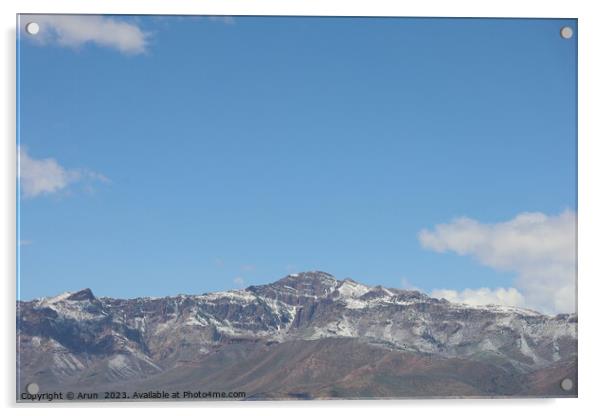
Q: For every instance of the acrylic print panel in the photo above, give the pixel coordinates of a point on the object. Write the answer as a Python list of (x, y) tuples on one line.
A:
[(267, 208)]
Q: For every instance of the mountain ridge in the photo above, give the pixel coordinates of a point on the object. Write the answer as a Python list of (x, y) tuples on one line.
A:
[(77, 338), (87, 293)]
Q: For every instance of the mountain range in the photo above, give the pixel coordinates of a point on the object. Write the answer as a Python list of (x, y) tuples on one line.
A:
[(305, 336)]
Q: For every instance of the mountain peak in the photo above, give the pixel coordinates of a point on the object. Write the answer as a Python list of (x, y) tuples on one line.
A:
[(313, 274), (84, 294), (303, 284)]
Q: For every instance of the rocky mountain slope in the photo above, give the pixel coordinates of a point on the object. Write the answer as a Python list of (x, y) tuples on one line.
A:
[(306, 335)]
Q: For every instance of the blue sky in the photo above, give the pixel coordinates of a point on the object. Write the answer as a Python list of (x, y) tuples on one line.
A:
[(207, 154)]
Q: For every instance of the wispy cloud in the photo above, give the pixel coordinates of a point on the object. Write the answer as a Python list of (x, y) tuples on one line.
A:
[(46, 176), (539, 248), (74, 31), (239, 282), (407, 285)]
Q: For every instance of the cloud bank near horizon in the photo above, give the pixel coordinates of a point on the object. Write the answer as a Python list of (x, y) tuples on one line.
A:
[(540, 249)]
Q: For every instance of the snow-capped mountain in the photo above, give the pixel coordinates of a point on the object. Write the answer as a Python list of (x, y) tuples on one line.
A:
[(404, 341)]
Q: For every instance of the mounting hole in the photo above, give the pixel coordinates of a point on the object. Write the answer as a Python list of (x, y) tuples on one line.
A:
[(566, 32), (32, 388), (32, 28), (566, 384)]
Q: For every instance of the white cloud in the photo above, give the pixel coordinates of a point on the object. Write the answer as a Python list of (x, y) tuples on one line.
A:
[(239, 282), (45, 176), (540, 249), (482, 296), (76, 30)]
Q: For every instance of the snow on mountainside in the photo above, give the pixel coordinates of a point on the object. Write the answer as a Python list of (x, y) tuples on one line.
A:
[(76, 336)]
